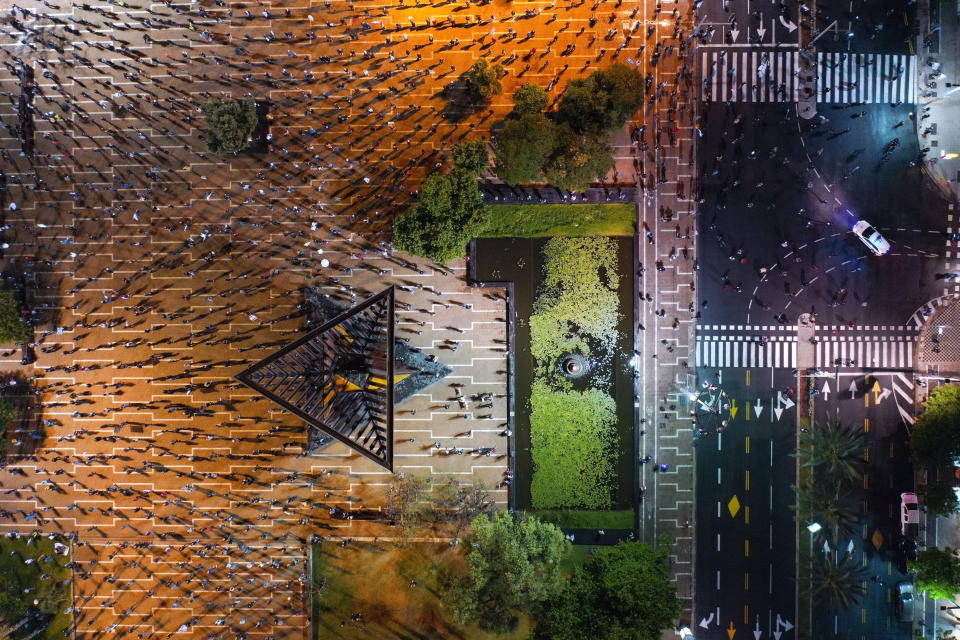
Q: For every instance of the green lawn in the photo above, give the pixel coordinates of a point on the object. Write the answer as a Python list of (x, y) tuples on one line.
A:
[(54, 592), (542, 220), (573, 519), (374, 580)]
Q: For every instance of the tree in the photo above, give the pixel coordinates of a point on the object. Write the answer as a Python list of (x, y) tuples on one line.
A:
[(448, 214), (937, 573), (459, 503), (471, 156), (833, 453), (513, 564), (941, 499), (13, 328), (837, 579), (483, 80), (579, 160), (828, 506), (530, 99), (603, 101), (232, 123), (405, 502), (935, 440), (522, 148), (622, 593)]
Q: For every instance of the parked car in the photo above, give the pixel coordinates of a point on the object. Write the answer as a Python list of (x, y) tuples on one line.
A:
[(909, 512), (903, 604), (871, 237), (906, 551)]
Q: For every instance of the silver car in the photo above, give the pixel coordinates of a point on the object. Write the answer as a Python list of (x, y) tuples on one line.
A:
[(904, 601)]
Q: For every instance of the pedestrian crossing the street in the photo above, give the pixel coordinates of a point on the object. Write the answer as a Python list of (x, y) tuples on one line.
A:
[(772, 76), (780, 351)]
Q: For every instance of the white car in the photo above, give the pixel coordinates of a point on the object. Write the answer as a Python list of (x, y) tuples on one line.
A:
[(871, 237), (909, 511)]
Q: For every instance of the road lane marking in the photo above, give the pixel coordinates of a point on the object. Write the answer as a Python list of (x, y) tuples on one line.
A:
[(746, 481), (746, 548), (748, 444)]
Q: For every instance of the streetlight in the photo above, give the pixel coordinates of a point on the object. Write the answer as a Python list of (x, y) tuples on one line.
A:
[(813, 527)]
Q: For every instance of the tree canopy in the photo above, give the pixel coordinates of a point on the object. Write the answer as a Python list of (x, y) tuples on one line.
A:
[(471, 155), (13, 328), (449, 212), (522, 148), (483, 80), (232, 123), (603, 101), (513, 564), (837, 579), (941, 499), (833, 452), (622, 593), (530, 99), (935, 440), (937, 572), (579, 159)]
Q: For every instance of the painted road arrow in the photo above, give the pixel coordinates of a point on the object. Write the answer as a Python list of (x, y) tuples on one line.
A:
[(883, 395), (733, 414), (877, 389), (783, 400), (791, 27), (853, 389), (731, 631), (756, 630), (826, 390), (733, 34), (757, 408), (760, 30), (705, 622), (783, 623)]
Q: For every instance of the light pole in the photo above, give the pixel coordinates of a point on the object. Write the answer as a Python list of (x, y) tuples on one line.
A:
[(813, 527)]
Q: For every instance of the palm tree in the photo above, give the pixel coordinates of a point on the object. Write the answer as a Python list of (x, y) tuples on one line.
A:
[(833, 453), (837, 579), (833, 509)]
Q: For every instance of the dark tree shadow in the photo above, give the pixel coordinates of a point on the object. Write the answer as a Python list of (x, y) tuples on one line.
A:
[(258, 141), (460, 104), (25, 433)]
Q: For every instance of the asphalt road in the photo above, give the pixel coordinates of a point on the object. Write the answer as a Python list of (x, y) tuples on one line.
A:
[(777, 209), (779, 198), (746, 541), (869, 401)]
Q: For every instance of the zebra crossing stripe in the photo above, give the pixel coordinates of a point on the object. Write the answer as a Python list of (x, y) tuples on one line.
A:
[(761, 75), (881, 354)]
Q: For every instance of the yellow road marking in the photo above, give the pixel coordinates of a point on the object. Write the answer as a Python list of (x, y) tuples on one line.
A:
[(746, 480), (866, 425), (746, 548), (748, 444), (748, 377)]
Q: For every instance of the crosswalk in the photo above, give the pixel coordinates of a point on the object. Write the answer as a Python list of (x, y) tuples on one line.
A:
[(880, 352), (772, 76)]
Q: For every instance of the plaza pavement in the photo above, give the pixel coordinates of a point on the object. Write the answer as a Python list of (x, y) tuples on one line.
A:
[(173, 269)]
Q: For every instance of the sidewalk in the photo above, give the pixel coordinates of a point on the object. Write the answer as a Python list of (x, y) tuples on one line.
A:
[(938, 42), (666, 323)]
